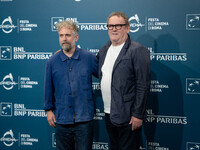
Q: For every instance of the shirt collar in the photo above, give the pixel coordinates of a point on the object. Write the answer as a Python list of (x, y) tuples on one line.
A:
[(74, 56)]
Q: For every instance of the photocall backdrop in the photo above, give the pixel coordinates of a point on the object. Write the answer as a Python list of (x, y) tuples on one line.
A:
[(169, 29)]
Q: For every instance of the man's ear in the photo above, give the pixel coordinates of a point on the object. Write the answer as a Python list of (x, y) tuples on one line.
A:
[(128, 30), (76, 37)]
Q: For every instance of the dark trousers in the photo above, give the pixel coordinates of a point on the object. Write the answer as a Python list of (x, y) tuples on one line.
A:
[(77, 136), (122, 138)]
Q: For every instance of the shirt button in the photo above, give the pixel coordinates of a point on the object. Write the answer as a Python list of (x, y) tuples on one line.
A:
[(70, 93), (70, 69)]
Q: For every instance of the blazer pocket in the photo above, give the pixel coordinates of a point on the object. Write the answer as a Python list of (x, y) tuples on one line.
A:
[(129, 97), (124, 62)]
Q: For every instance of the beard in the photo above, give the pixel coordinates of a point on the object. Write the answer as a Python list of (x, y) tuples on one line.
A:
[(67, 48)]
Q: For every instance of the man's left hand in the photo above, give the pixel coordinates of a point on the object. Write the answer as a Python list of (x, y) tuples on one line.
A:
[(136, 123)]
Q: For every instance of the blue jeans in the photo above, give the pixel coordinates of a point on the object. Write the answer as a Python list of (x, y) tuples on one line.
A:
[(77, 136)]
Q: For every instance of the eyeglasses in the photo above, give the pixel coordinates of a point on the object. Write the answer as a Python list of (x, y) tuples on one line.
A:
[(117, 26)]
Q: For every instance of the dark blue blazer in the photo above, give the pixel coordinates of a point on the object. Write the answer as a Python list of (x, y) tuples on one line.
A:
[(130, 81)]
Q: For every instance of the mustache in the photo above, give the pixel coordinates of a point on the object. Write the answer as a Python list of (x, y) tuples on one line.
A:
[(66, 43)]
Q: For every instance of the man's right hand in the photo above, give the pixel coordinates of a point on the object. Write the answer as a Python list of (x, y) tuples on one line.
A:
[(51, 118)]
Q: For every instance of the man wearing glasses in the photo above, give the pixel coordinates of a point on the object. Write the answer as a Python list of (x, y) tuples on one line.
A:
[(124, 71)]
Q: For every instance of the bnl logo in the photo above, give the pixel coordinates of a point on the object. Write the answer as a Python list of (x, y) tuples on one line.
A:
[(6, 109), (5, 53), (193, 21), (54, 21), (193, 146), (193, 85)]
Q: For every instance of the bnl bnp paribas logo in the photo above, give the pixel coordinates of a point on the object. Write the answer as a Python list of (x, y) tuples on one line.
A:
[(5, 52), (135, 24), (6, 109), (81, 26), (193, 85), (193, 21), (19, 53)]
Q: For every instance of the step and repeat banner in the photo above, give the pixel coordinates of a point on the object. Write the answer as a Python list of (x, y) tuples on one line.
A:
[(28, 38)]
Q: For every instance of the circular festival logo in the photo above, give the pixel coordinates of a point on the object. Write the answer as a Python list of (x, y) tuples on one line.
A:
[(7, 25), (8, 138), (8, 82), (135, 23)]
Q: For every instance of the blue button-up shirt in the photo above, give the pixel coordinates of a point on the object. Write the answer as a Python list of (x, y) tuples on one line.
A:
[(68, 86)]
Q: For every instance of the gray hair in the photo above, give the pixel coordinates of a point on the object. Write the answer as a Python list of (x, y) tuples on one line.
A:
[(67, 24), (120, 14)]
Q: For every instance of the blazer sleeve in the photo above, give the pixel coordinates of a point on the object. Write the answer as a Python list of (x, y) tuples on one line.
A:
[(141, 60)]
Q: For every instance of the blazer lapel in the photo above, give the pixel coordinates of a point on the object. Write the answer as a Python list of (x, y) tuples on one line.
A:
[(120, 56)]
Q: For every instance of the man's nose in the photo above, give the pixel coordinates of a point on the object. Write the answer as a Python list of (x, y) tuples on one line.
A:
[(64, 38)]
